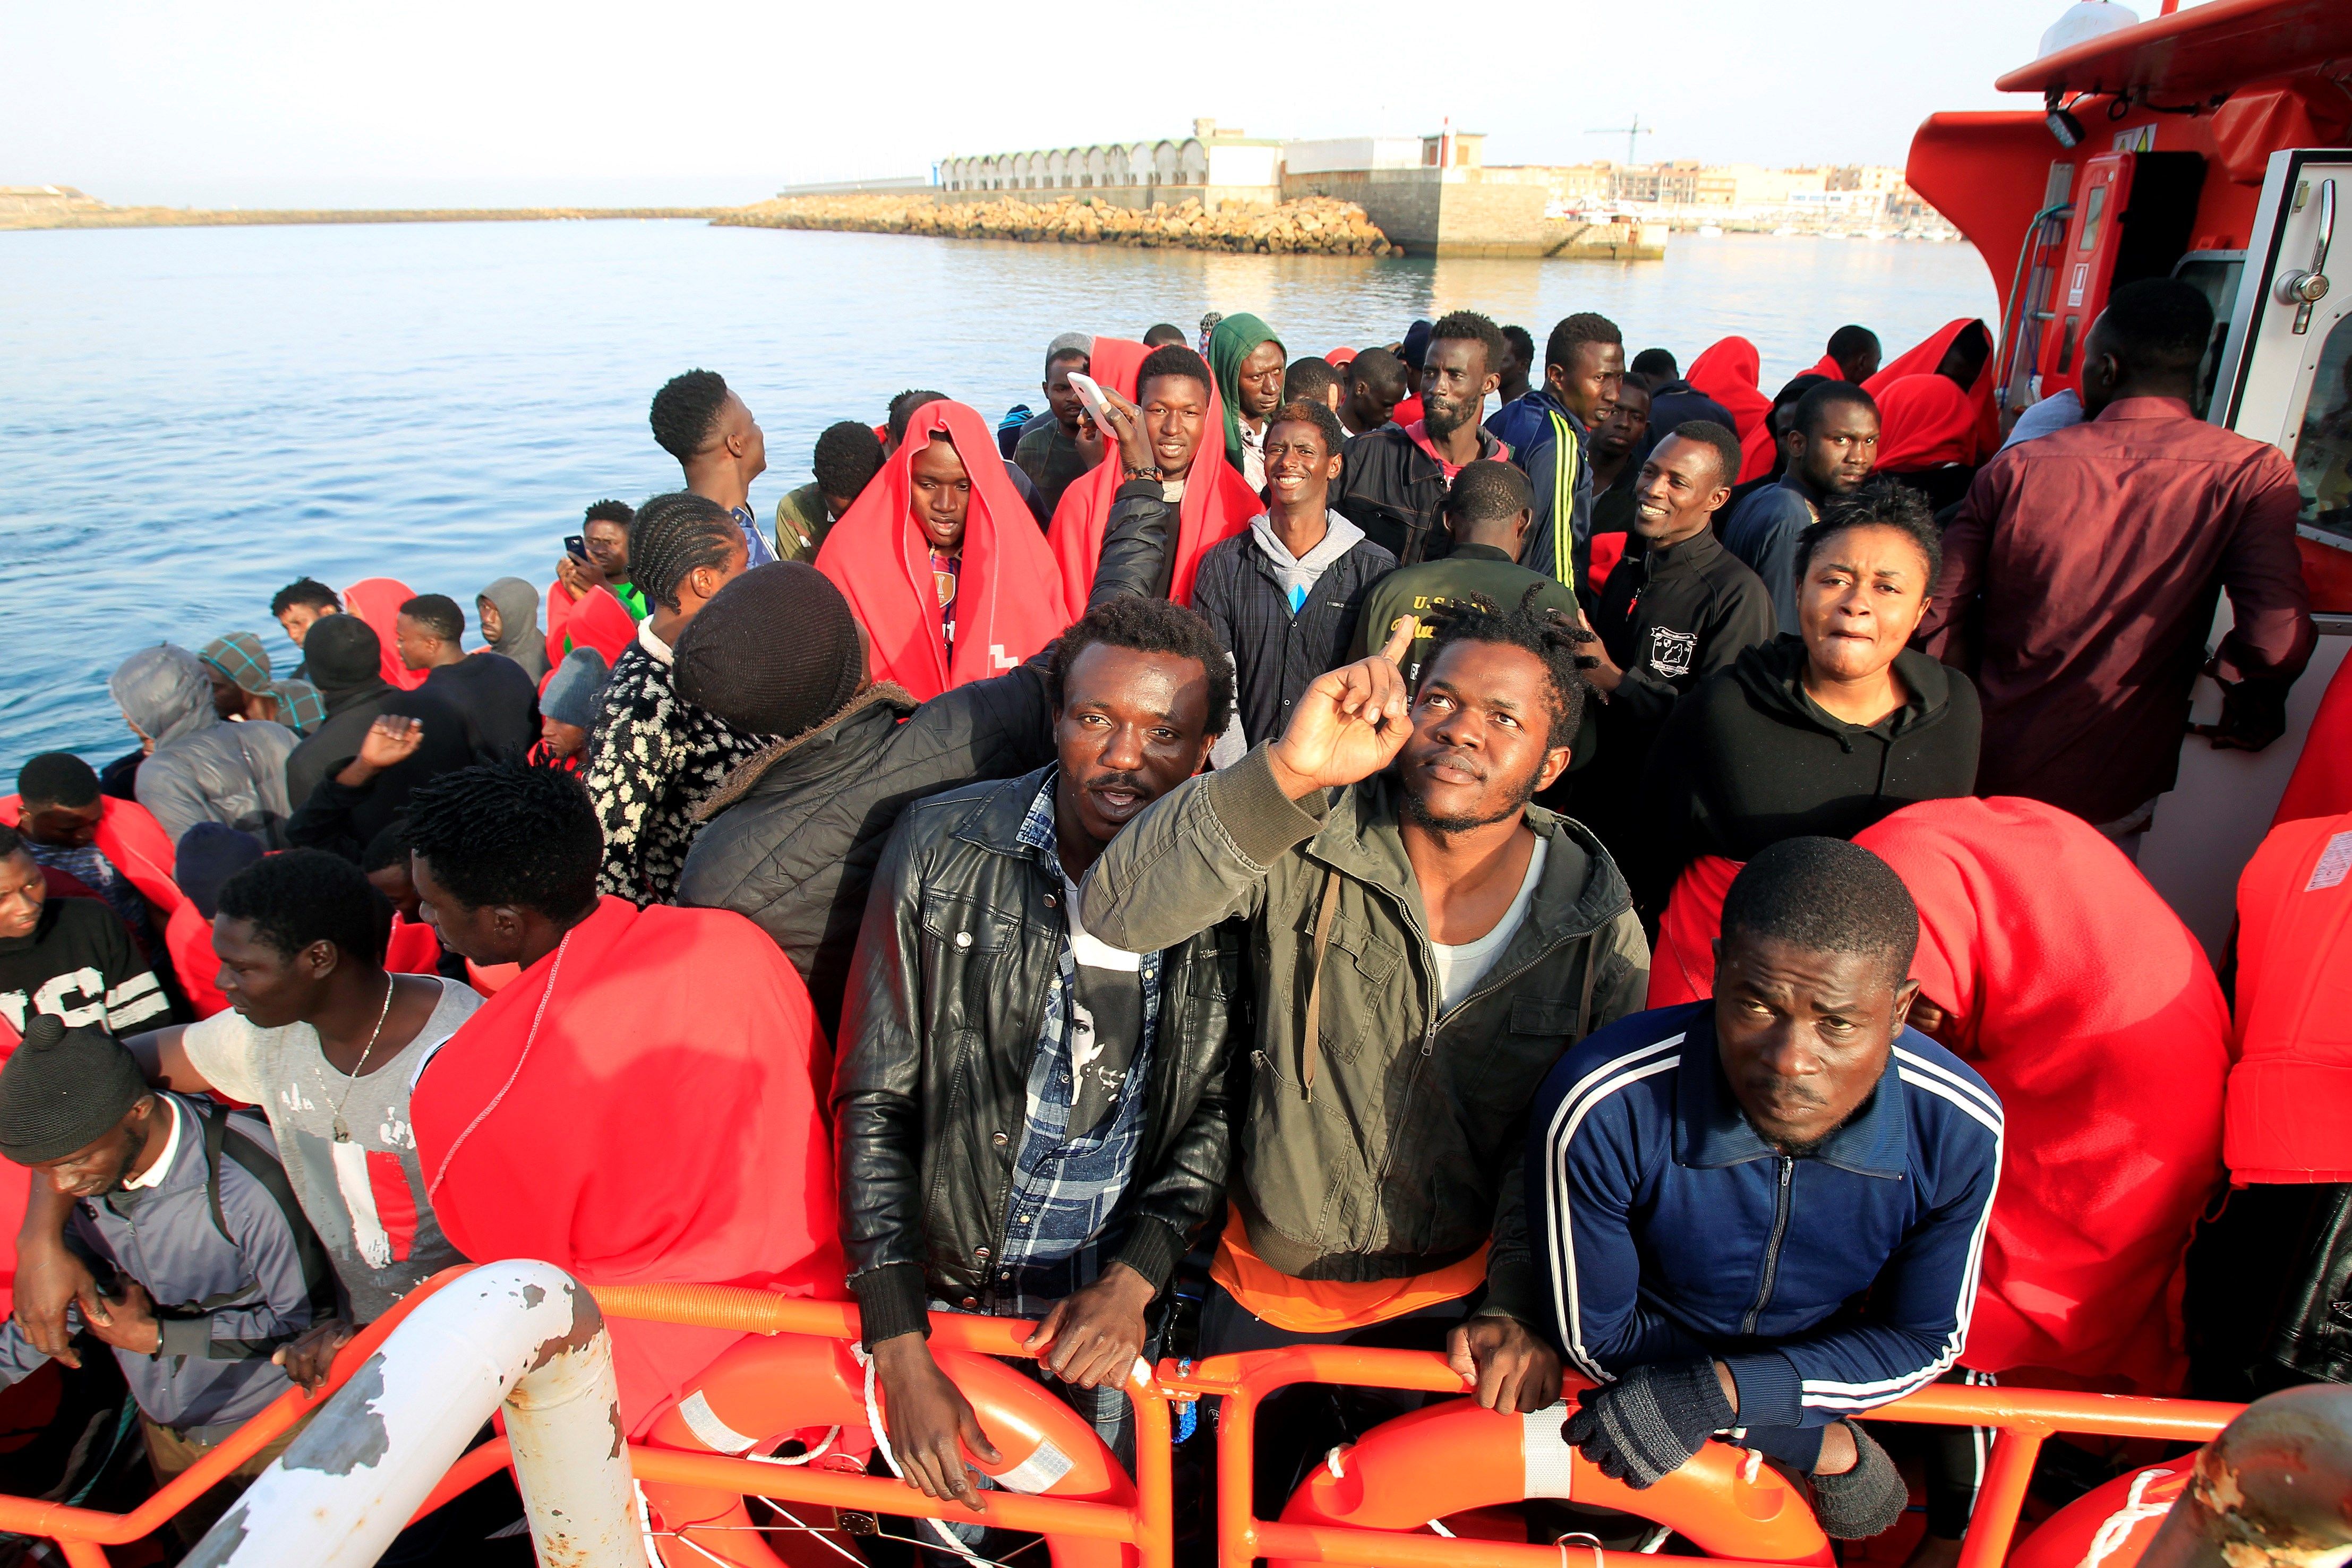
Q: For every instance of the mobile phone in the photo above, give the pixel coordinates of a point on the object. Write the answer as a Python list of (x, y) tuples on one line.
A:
[(1090, 395), (574, 545)]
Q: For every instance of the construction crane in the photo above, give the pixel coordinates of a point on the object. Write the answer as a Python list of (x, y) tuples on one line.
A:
[(1630, 133)]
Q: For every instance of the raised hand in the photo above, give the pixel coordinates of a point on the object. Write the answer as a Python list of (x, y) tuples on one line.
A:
[(1350, 723)]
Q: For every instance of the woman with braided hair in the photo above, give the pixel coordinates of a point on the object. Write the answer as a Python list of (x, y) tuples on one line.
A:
[(655, 757)]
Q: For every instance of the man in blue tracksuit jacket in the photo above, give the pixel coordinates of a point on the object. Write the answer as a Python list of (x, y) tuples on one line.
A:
[(1762, 1214), (1549, 433)]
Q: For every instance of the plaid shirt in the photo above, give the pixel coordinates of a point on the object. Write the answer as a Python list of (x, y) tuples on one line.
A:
[(1066, 1192)]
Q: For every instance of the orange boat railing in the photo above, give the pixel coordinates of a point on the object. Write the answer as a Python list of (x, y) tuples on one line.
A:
[(2024, 1418)]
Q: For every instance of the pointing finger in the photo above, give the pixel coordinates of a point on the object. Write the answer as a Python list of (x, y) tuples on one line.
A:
[(1401, 636)]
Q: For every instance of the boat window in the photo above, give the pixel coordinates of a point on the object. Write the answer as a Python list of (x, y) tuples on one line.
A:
[(2215, 274), (2094, 206), (2323, 451)]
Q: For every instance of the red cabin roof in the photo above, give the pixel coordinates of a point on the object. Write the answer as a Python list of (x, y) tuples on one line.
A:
[(2199, 52)]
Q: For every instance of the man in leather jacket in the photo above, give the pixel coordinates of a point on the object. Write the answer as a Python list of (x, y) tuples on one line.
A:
[(1029, 1123)]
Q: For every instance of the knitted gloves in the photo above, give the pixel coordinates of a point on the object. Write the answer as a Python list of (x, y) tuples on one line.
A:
[(1865, 1500), (1645, 1425)]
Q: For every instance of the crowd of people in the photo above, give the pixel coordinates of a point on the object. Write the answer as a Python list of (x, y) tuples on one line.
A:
[(1633, 891)]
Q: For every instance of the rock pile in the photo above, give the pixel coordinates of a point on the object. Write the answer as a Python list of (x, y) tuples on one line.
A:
[(1315, 226)]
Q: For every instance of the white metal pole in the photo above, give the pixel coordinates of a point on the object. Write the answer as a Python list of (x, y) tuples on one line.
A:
[(520, 1333)]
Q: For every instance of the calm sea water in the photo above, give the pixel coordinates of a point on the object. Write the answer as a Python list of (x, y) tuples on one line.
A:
[(190, 418)]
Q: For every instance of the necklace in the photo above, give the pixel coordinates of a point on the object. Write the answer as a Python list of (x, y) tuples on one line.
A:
[(343, 1130)]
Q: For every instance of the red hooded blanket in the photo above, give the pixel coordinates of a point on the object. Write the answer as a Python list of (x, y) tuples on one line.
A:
[(1218, 503), (2093, 1013), (1008, 600), (138, 848), (1922, 360), (1924, 422), (616, 1113), (2291, 1092), (2321, 784), (596, 620), (1682, 964), (1727, 373), (1826, 366), (377, 601)]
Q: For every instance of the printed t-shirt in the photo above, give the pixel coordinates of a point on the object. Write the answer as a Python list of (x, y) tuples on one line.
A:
[(365, 1198)]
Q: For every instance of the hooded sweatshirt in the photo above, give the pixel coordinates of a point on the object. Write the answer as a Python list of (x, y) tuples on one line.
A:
[(519, 638), (201, 769), (1285, 619), (1748, 759)]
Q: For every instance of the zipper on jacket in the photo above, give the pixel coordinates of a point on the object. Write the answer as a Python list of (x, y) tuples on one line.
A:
[(1772, 1248)]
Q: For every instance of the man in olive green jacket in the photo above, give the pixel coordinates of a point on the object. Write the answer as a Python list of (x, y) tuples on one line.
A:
[(1427, 944)]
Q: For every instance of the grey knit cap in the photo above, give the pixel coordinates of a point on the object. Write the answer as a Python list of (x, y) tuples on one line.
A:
[(62, 1089), (574, 690)]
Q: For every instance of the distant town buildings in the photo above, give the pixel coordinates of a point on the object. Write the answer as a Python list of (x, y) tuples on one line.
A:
[(1398, 180)]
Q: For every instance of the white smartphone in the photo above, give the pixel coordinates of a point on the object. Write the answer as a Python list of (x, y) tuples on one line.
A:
[(1090, 394)]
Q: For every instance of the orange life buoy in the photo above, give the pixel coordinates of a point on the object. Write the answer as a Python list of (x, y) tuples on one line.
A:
[(766, 1388), (1452, 1458), (2109, 1526)]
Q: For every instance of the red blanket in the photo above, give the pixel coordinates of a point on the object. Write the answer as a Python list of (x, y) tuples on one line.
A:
[(1218, 502), (2321, 784), (142, 851), (595, 620), (1924, 422), (2291, 1091), (1727, 373), (377, 601), (1008, 600), (2093, 1013), (1826, 366), (414, 948), (1682, 964), (661, 1127), (1922, 360)]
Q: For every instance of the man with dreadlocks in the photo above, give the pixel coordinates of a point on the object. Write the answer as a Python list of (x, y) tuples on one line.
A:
[(611, 1109), (654, 757), (1762, 1213), (1406, 902)]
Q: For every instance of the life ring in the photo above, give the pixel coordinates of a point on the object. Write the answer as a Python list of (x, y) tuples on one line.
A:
[(1453, 1458), (2109, 1526), (767, 1388)]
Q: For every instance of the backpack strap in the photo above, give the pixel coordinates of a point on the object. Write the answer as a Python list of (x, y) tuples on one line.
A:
[(318, 1268)]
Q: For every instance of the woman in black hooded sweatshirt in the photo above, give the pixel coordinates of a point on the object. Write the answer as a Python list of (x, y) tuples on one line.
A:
[(1823, 733)]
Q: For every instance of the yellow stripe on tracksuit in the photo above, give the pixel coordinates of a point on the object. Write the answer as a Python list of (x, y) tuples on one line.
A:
[(1566, 456)]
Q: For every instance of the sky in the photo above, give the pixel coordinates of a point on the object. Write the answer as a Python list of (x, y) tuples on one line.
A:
[(266, 103)]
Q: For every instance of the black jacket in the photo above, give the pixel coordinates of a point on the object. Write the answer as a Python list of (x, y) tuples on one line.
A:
[(496, 698), (791, 838), (1392, 490), (1749, 760), (1278, 654), (1669, 618), (959, 952), (327, 815)]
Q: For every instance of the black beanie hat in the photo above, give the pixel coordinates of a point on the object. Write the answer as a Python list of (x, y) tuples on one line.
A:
[(774, 653), (341, 652), (62, 1089)]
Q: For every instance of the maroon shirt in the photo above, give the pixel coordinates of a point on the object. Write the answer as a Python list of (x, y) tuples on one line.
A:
[(2079, 584)]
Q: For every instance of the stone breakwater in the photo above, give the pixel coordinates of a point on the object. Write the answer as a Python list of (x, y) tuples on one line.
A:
[(1315, 226)]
